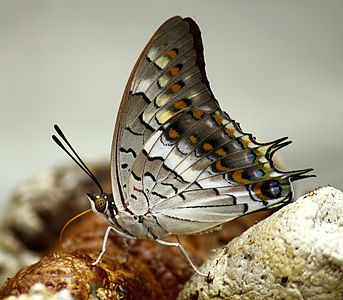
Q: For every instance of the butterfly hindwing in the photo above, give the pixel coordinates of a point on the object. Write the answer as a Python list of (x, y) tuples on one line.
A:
[(203, 153)]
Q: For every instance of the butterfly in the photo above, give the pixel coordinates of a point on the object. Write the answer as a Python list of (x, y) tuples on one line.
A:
[(179, 164)]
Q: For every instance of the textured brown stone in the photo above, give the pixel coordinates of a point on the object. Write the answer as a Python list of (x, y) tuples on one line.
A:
[(73, 270)]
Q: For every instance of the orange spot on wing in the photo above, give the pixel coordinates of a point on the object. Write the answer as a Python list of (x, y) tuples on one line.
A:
[(172, 53), (180, 104), (175, 70), (197, 114), (175, 87), (172, 133), (207, 147), (193, 139), (221, 152), (229, 131), (218, 119)]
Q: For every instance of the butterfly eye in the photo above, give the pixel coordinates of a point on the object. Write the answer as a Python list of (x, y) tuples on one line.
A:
[(100, 204)]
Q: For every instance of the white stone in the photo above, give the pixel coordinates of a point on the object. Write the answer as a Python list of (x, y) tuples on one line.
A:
[(297, 253)]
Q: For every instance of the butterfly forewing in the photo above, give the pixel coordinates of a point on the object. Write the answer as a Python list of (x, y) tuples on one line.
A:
[(176, 155), (168, 77)]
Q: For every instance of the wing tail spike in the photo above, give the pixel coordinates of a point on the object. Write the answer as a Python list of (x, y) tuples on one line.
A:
[(271, 144), (300, 174), (277, 146), (277, 142)]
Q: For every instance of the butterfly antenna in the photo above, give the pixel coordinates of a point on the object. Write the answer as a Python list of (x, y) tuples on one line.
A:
[(78, 159)]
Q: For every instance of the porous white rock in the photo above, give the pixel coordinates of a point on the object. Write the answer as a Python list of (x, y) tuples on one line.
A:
[(297, 253)]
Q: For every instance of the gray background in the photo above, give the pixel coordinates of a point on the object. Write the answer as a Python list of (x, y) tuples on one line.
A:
[(275, 66)]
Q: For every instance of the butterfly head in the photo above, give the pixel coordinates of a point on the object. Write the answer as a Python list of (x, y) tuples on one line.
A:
[(101, 204)]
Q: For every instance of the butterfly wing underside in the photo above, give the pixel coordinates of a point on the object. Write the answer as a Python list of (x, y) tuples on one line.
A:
[(176, 154), (151, 90)]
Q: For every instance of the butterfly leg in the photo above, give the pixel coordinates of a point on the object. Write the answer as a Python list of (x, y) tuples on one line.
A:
[(107, 233), (184, 253)]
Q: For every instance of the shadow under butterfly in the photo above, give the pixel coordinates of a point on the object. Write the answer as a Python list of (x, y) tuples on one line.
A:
[(179, 164)]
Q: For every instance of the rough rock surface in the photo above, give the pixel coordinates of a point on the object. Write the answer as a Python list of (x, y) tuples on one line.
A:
[(297, 253)]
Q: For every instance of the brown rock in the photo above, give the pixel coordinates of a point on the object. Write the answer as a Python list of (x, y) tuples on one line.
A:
[(72, 270)]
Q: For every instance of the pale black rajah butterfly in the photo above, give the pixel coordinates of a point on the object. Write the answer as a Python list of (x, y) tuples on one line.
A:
[(179, 164)]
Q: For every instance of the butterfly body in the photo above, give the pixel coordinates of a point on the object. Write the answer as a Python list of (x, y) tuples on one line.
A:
[(131, 225), (179, 164)]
